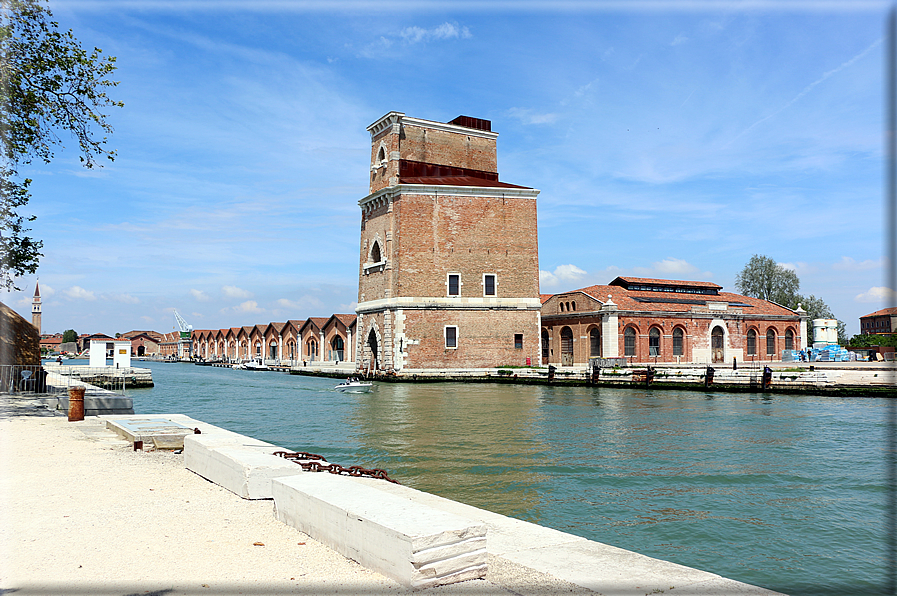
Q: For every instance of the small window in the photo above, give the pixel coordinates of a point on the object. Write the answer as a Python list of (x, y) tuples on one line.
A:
[(544, 344), (789, 339), (771, 342), (654, 342), (451, 337), (454, 284), (375, 253), (518, 341), (752, 343), (488, 285), (574, 305)]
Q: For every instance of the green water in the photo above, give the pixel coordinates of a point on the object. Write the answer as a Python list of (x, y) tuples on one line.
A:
[(786, 492)]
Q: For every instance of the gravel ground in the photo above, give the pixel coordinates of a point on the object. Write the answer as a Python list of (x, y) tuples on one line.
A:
[(82, 513)]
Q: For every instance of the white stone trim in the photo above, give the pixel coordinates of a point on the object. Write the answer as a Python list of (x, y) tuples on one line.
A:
[(386, 195), (448, 303), (446, 127)]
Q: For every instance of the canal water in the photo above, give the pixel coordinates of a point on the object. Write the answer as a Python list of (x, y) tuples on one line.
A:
[(782, 491)]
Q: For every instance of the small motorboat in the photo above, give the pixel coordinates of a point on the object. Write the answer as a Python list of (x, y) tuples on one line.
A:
[(354, 386)]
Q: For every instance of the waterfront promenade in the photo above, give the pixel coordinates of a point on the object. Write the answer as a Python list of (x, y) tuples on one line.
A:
[(85, 514)]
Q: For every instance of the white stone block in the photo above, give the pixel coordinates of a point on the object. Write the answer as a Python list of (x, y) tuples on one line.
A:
[(413, 543), (240, 464)]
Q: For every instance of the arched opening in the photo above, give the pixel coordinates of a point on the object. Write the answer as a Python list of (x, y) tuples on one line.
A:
[(717, 343), (141, 350), (372, 344), (752, 342), (381, 156), (258, 349), (545, 351), (789, 339), (312, 350), (678, 342), (336, 348), (771, 344), (629, 342), (566, 347), (375, 253), (272, 350), (654, 342), (594, 343)]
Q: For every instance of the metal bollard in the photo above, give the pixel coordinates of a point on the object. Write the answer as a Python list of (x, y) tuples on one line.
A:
[(76, 404)]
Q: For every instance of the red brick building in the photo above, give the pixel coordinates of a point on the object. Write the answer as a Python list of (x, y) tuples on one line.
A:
[(881, 322), (660, 320), (448, 268)]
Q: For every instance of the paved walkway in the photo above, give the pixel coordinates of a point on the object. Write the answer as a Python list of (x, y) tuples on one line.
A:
[(82, 513)]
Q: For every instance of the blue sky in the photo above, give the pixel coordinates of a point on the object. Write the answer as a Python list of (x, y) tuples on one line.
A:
[(668, 139)]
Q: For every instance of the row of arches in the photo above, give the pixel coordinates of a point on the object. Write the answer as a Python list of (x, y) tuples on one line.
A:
[(671, 346)]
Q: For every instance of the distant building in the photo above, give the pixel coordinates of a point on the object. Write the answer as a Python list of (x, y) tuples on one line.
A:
[(36, 308), (51, 343), (448, 271), (661, 320), (881, 322)]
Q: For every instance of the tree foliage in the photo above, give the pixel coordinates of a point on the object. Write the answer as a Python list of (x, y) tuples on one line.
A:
[(48, 84), (763, 278), (873, 339), (69, 335)]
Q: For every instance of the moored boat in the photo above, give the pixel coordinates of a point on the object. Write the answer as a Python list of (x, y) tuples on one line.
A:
[(354, 386)]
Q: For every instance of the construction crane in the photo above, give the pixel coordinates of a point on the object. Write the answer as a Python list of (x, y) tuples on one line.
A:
[(185, 343)]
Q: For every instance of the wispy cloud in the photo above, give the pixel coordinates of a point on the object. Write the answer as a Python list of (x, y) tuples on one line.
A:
[(125, 298), (200, 295), (679, 39), (79, 293), (250, 306), (806, 90), (849, 264), (528, 116), (235, 292), (442, 32), (880, 294)]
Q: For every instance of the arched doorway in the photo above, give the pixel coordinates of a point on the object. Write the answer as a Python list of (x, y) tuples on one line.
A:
[(336, 348), (141, 350), (566, 347), (312, 350), (717, 341), (594, 343), (372, 344)]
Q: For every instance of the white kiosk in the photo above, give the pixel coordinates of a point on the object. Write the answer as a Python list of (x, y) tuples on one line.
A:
[(121, 352)]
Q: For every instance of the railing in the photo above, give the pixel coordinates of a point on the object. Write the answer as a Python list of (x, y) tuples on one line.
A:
[(114, 380), (16, 378)]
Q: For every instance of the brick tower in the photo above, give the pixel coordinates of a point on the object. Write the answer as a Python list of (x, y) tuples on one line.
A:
[(449, 266), (35, 308)]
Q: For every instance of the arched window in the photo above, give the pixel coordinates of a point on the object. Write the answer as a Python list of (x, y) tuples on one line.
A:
[(574, 305), (375, 253), (561, 306), (752, 343), (654, 342), (381, 156), (594, 342), (544, 344), (789, 339), (629, 342), (312, 350), (678, 342), (771, 343)]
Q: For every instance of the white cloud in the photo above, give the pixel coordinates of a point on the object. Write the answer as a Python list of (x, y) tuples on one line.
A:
[(235, 292), (79, 293), (879, 294), (200, 295), (674, 266), (304, 302), (125, 298), (561, 274), (443, 31), (848, 264), (249, 306), (679, 39), (46, 291), (148, 319), (528, 116)]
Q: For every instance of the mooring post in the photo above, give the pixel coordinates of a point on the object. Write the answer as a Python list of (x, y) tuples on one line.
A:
[(76, 404)]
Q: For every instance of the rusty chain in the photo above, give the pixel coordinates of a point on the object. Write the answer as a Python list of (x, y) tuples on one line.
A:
[(317, 463)]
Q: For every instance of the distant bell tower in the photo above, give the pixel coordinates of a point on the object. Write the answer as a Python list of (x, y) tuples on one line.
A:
[(448, 274), (35, 308)]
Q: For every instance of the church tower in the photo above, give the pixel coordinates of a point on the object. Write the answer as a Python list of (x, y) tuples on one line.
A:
[(449, 265), (35, 308)]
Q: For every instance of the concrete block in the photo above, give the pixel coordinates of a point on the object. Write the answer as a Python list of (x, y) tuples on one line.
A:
[(413, 543)]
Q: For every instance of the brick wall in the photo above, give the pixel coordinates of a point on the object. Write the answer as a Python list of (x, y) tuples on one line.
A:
[(19, 339)]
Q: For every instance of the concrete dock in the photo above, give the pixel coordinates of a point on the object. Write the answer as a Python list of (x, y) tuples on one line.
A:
[(83, 513)]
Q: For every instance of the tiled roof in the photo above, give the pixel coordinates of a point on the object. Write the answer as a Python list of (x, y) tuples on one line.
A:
[(666, 282), (882, 312), (663, 302)]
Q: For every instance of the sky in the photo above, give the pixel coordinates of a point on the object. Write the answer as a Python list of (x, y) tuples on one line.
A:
[(668, 139)]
